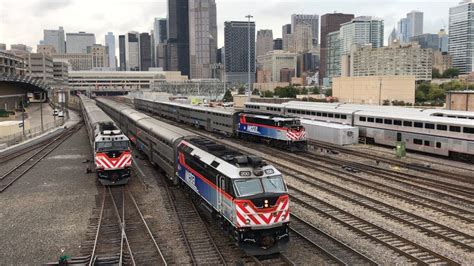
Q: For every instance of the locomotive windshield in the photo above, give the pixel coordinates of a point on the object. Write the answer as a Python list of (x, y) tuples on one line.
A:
[(104, 146), (254, 186)]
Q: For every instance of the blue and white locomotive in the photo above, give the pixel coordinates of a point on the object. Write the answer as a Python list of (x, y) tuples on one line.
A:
[(247, 197)]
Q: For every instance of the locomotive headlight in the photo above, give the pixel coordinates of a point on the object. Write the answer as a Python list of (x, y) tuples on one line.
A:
[(266, 203)]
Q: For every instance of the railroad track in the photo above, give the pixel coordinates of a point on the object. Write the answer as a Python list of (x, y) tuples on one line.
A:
[(335, 250), (123, 235), (398, 244), (275, 259), (200, 245), (18, 171), (392, 161)]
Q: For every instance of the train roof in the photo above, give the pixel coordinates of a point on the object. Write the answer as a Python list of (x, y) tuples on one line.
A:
[(93, 112), (441, 112), (273, 117), (417, 117), (226, 111)]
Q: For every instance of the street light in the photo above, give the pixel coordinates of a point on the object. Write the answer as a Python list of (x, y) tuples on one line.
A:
[(248, 86)]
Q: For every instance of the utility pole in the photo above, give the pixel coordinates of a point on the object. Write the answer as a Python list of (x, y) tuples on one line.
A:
[(249, 77)]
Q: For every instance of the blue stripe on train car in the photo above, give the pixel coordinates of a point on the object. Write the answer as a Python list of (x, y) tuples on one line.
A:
[(267, 132), (198, 185)]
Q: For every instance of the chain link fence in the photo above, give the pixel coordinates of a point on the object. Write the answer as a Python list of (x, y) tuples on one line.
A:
[(16, 138)]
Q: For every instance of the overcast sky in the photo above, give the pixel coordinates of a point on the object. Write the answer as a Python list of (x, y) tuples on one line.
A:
[(23, 21)]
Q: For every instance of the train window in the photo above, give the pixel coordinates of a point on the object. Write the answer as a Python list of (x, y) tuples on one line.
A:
[(318, 114), (330, 115), (363, 118), (438, 145), (325, 115), (429, 126), (427, 143), (442, 127), (370, 119), (343, 116), (454, 129), (407, 123), (337, 116), (418, 124), (397, 122), (388, 121), (313, 113), (418, 141), (469, 130), (379, 120)]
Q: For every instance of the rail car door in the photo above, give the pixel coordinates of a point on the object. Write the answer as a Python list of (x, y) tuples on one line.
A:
[(221, 185), (208, 124)]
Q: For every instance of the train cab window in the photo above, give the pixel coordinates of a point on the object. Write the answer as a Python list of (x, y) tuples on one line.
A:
[(438, 145), (427, 143), (397, 122), (407, 123), (469, 130), (337, 116), (418, 124), (370, 119), (388, 121), (330, 115), (442, 127), (362, 118), (379, 120), (454, 129), (429, 126), (343, 116), (418, 141)]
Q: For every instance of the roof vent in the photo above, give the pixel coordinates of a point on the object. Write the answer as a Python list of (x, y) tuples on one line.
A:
[(241, 160), (255, 161)]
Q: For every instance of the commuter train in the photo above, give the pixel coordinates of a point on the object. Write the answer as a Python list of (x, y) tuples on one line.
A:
[(434, 131), (278, 131), (112, 153), (247, 197)]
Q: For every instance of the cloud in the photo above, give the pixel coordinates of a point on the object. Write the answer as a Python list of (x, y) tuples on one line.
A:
[(43, 7)]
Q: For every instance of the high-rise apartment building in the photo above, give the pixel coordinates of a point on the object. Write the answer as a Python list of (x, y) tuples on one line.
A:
[(236, 51), (202, 38), (393, 60), (414, 24), (132, 51), (278, 44), (100, 55), (110, 43), (122, 53), (311, 20), (286, 36), (77, 43), (329, 23), (56, 39), (361, 30), (264, 42), (145, 51), (178, 36), (461, 36)]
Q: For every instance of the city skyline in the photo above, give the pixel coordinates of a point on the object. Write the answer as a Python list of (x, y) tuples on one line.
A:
[(48, 14)]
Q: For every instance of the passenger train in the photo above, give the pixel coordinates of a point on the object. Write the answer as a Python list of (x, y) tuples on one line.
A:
[(434, 131), (112, 153), (247, 197), (276, 130)]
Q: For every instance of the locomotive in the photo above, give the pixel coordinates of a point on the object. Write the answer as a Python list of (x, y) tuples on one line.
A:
[(112, 153), (247, 197), (278, 131)]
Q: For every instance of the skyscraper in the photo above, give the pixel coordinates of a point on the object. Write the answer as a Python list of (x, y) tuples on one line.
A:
[(132, 51), (303, 38), (402, 30), (286, 36), (278, 44), (178, 36), (311, 20), (110, 43), (264, 42), (202, 38), (77, 43), (329, 23), (236, 51), (56, 39), (361, 30), (414, 24), (443, 41), (159, 37), (145, 51), (461, 36), (122, 53), (100, 58)]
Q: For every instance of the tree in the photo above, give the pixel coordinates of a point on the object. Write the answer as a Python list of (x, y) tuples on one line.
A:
[(286, 92), (436, 94), (451, 73), (436, 74), (255, 92), (267, 94), (386, 102), (228, 96), (315, 90), (241, 90), (328, 92), (420, 96)]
